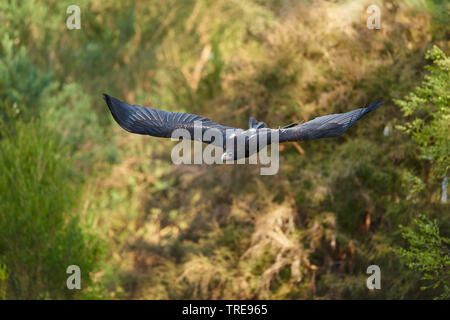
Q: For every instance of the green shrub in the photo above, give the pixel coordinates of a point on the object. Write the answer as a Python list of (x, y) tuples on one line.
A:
[(428, 254), (40, 236), (429, 108), (4, 275), (44, 129)]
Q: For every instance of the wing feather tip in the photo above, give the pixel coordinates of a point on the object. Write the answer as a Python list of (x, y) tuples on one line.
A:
[(375, 105), (109, 101), (119, 112), (107, 98)]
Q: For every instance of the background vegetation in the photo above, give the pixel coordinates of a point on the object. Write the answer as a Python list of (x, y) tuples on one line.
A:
[(77, 189)]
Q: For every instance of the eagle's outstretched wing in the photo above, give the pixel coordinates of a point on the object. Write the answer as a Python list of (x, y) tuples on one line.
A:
[(159, 123), (332, 125)]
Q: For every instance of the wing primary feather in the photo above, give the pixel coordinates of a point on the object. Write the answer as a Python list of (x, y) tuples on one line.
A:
[(154, 122), (326, 126)]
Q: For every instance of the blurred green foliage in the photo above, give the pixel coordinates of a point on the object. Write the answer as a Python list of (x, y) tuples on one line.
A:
[(4, 275), (40, 236), (430, 104), (428, 253), (76, 189)]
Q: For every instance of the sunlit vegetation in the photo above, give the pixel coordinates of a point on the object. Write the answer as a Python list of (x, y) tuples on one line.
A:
[(76, 189)]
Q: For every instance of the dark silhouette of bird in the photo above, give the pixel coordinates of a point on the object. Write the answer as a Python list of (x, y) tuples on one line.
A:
[(159, 123)]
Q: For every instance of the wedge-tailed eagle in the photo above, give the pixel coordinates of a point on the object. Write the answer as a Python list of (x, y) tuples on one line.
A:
[(159, 123)]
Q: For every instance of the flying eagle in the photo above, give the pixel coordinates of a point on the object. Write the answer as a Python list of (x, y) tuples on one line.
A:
[(159, 123)]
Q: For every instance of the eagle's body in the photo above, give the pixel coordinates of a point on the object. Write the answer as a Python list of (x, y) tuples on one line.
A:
[(159, 123)]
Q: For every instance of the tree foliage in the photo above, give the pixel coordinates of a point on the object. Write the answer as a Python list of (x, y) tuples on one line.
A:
[(429, 108), (428, 254)]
